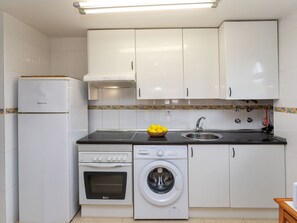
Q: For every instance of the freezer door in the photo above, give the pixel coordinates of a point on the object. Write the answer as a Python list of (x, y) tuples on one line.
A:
[(43, 95), (44, 168)]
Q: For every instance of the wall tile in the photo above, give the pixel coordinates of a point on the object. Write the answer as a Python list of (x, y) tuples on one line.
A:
[(110, 119), (127, 96), (109, 96), (95, 120), (11, 168), (12, 205), (11, 132), (291, 127), (179, 119), (288, 24), (59, 44), (2, 145), (2, 172), (10, 87), (44, 62), (280, 124), (77, 44), (13, 53), (77, 64), (13, 26), (2, 206), (288, 82), (59, 64), (291, 173), (143, 119), (288, 51), (128, 119)]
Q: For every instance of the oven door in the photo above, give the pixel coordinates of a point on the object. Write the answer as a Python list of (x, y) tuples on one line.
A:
[(105, 183)]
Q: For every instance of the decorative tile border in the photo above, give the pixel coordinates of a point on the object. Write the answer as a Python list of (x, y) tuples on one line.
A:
[(176, 107), (11, 110), (286, 110)]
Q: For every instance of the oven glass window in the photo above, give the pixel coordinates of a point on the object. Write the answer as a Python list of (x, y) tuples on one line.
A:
[(105, 185), (160, 180)]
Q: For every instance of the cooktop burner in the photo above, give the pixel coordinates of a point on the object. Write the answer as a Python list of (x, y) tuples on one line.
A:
[(111, 135)]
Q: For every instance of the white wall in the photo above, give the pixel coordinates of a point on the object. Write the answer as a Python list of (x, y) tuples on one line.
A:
[(286, 117), (26, 52)]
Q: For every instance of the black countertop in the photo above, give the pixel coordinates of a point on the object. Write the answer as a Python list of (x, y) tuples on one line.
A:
[(175, 138)]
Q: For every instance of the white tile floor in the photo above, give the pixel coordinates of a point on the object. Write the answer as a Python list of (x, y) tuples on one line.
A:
[(79, 219)]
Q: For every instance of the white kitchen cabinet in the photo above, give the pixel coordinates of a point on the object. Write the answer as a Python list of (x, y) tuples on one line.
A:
[(159, 59), (111, 52), (201, 63), (208, 175), (257, 175), (248, 60)]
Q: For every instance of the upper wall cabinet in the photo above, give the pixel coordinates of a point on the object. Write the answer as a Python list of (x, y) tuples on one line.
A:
[(201, 63), (111, 52), (159, 64), (248, 60)]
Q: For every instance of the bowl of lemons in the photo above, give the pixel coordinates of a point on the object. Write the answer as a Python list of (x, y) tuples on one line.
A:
[(155, 130)]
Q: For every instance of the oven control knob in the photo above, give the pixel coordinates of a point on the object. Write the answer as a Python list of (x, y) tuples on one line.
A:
[(114, 158), (109, 158), (125, 158), (95, 159), (120, 158), (160, 153), (100, 158)]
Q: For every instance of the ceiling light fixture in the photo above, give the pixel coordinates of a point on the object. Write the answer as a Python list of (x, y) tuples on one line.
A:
[(110, 6)]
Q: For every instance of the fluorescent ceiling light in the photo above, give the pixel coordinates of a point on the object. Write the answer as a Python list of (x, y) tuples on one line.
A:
[(110, 6)]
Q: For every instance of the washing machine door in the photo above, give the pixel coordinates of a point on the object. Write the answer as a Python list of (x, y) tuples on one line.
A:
[(160, 183)]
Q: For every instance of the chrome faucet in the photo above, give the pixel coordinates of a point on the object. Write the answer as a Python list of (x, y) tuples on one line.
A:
[(198, 126)]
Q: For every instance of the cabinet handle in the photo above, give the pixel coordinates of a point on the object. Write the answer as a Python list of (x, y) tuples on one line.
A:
[(139, 92), (192, 152), (233, 152), (132, 65), (187, 92), (230, 92)]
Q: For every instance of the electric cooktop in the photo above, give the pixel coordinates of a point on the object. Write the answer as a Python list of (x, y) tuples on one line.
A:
[(110, 135)]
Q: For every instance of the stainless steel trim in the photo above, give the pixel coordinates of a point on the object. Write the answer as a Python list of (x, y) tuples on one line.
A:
[(202, 133)]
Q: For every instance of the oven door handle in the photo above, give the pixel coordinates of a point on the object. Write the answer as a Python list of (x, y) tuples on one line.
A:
[(104, 165)]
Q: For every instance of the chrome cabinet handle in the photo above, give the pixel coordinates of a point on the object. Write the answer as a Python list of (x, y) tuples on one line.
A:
[(187, 92), (132, 65), (192, 152), (233, 152), (139, 92), (230, 91)]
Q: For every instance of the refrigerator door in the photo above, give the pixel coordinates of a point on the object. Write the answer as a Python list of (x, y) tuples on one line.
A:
[(44, 168), (43, 95)]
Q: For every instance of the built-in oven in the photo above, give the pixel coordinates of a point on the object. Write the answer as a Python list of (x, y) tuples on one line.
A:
[(105, 177)]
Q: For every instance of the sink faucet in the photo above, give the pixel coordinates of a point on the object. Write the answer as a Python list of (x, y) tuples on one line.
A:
[(198, 126)]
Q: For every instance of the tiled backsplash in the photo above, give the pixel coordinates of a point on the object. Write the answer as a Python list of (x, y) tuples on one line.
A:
[(119, 109)]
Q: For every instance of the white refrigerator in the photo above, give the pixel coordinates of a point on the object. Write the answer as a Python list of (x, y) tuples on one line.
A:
[(52, 116)]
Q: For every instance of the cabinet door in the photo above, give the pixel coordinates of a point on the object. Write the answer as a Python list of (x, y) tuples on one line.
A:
[(208, 175), (257, 175), (111, 52), (249, 60), (201, 63), (159, 64)]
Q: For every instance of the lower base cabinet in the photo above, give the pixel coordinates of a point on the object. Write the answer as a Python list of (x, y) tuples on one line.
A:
[(208, 175), (237, 176), (257, 175)]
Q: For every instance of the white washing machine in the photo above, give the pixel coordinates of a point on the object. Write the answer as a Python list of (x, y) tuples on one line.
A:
[(160, 182)]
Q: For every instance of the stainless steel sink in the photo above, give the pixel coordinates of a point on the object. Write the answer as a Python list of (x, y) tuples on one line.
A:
[(202, 136)]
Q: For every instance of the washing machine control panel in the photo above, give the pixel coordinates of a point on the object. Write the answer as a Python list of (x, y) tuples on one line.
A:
[(160, 152)]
